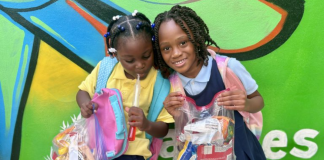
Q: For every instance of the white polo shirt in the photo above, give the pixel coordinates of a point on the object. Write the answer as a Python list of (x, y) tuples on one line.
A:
[(196, 85)]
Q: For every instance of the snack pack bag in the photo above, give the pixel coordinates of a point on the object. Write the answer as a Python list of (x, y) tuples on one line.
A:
[(72, 143), (203, 132)]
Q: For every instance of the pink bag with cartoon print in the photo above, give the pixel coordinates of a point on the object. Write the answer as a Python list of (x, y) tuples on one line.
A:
[(108, 132)]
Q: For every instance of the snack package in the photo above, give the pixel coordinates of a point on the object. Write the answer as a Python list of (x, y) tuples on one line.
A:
[(72, 143), (203, 132)]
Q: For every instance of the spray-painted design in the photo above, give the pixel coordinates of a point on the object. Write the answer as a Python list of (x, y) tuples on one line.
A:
[(49, 46)]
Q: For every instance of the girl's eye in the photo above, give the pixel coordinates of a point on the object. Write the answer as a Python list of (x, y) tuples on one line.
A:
[(183, 43), (146, 57), (166, 48), (131, 61)]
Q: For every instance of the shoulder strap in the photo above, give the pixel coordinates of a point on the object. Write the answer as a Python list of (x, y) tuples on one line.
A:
[(221, 64), (254, 121), (161, 89), (228, 76), (105, 69)]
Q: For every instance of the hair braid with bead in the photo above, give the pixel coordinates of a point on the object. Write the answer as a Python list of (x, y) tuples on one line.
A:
[(129, 27), (201, 39)]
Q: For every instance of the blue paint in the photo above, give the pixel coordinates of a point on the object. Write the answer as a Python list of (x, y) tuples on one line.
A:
[(112, 4), (6, 136), (4, 154), (22, 4), (87, 42)]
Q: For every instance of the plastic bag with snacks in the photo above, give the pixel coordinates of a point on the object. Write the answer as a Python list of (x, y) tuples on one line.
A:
[(203, 132), (72, 143)]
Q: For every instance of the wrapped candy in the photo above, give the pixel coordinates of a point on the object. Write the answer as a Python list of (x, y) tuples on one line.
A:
[(72, 143)]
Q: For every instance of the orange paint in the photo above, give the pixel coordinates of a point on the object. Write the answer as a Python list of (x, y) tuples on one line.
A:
[(102, 29), (266, 39)]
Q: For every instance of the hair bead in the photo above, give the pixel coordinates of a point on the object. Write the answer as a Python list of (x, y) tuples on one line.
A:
[(112, 50), (134, 13), (138, 26), (107, 34)]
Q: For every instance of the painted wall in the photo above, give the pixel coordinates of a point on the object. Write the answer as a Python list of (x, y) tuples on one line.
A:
[(48, 47)]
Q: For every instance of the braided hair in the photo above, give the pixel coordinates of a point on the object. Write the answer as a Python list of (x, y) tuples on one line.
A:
[(201, 39), (126, 27)]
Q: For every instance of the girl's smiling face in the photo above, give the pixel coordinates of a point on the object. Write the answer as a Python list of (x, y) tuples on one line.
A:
[(136, 56), (177, 50)]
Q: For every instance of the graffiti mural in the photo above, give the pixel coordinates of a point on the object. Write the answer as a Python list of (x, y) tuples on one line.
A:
[(48, 47)]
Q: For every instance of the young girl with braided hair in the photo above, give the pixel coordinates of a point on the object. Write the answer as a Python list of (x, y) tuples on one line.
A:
[(129, 39), (182, 39)]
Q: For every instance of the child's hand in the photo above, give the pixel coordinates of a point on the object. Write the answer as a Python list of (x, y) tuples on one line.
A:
[(87, 109), (233, 100), (173, 102), (137, 118)]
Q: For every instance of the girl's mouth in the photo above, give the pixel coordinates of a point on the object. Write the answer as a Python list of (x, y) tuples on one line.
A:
[(142, 75), (180, 63)]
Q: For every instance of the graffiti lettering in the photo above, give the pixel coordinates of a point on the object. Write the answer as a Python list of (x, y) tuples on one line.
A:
[(277, 138)]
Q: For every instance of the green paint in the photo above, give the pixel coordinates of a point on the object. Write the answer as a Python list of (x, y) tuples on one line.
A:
[(290, 78), (233, 24), (291, 82), (42, 122), (11, 39), (49, 29), (22, 74)]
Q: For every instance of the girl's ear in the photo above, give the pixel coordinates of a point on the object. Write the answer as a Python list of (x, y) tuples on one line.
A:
[(115, 55)]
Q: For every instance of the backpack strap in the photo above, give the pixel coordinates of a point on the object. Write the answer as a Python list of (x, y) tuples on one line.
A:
[(161, 89), (106, 66), (254, 121)]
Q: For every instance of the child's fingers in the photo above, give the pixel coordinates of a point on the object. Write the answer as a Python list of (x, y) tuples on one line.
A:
[(94, 106), (135, 118), (127, 109), (135, 123), (177, 98), (86, 113), (231, 103), (175, 94), (231, 98), (88, 105), (235, 107), (136, 111), (232, 92), (173, 100), (173, 104)]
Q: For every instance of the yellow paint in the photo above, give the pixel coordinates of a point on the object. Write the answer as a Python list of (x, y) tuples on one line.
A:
[(51, 100), (56, 76)]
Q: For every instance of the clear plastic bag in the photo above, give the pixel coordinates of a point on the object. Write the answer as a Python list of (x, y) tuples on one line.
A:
[(72, 143), (203, 132)]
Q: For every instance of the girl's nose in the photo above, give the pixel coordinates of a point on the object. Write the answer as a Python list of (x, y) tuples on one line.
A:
[(176, 53), (140, 65)]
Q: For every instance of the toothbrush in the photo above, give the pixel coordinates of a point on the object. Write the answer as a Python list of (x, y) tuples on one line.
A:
[(132, 130)]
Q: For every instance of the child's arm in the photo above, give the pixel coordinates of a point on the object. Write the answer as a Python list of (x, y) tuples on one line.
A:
[(237, 100), (84, 101), (254, 102), (138, 119)]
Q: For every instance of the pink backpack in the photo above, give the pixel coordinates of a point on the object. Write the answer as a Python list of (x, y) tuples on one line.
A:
[(110, 132), (253, 121), (112, 142)]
